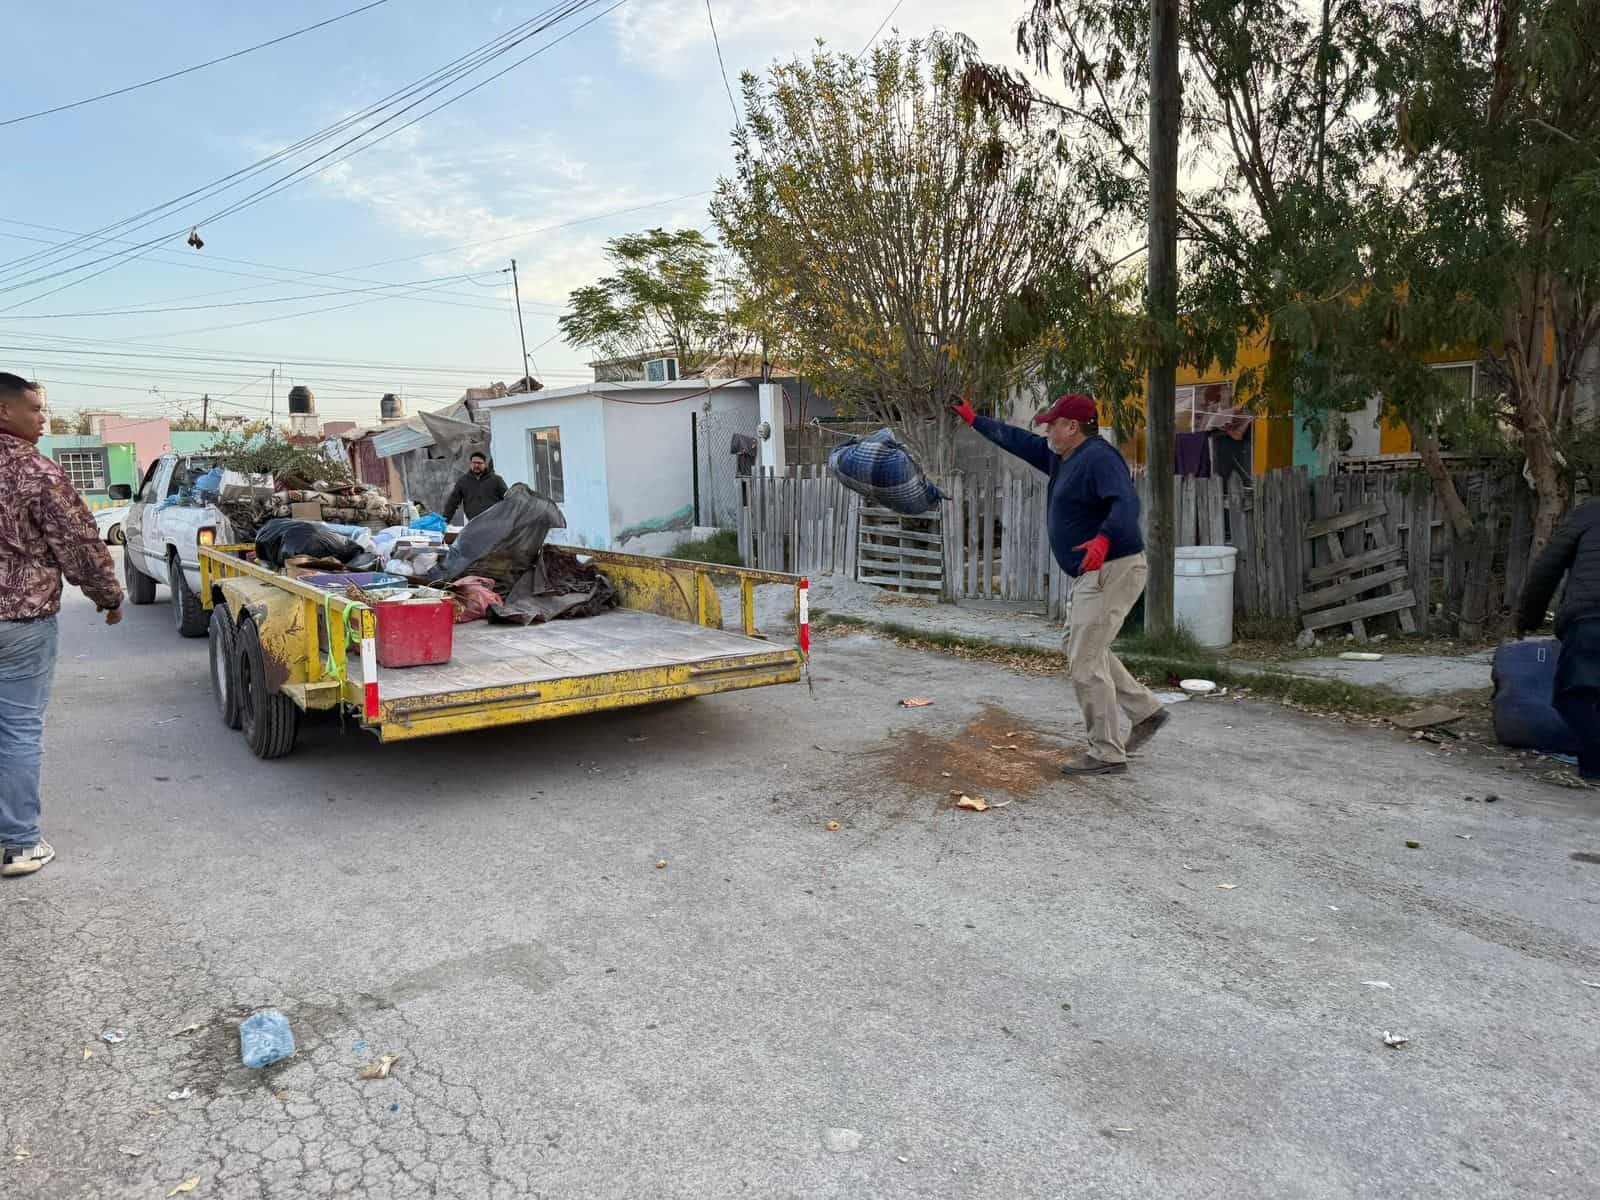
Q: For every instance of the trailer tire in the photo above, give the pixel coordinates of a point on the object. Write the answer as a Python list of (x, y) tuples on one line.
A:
[(224, 648), (269, 720), (188, 614), (141, 588)]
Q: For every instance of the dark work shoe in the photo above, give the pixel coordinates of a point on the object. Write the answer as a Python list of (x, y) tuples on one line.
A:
[(1147, 729), (1088, 764)]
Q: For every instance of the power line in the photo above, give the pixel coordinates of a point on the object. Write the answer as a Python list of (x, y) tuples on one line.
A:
[(524, 32), (140, 312), (881, 24), (45, 112), (460, 64), (717, 42)]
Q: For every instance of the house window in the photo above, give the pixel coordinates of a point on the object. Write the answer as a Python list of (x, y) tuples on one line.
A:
[(85, 468), (544, 453), (1459, 378)]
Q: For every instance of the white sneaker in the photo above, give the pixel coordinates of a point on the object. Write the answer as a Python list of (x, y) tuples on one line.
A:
[(26, 862)]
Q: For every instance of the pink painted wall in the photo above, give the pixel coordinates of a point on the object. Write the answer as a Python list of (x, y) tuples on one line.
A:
[(151, 437)]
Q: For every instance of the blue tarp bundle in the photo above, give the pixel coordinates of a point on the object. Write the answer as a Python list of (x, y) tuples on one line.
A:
[(1524, 676), (881, 469)]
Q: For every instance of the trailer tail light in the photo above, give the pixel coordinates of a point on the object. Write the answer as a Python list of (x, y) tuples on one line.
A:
[(206, 537)]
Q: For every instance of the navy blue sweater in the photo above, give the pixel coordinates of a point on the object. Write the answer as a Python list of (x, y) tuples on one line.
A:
[(1091, 492)]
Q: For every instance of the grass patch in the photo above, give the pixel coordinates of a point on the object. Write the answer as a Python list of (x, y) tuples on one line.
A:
[(1176, 642), (722, 547), (1153, 669)]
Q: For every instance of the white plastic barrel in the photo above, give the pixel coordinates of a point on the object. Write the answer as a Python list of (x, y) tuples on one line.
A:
[(1202, 592)]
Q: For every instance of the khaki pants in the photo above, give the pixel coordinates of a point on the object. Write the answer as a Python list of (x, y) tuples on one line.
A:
[(1100, 603)]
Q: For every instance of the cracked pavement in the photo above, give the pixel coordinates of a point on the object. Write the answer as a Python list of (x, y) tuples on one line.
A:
[(1052, 998)]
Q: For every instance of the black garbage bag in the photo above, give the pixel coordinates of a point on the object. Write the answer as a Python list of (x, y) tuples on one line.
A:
[(502, 542), (283, 538), (559, 587)]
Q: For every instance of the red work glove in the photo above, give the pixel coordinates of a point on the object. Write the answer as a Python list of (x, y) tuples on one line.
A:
[(1094, 553), (964, 410)]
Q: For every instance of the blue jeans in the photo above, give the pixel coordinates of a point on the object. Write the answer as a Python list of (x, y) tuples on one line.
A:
[(27, 660)]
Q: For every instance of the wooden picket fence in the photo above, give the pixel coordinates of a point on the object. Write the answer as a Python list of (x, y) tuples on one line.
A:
[(802, 521), (995, 546)]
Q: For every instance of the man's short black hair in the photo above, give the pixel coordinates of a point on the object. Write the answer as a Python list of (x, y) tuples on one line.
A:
[(478, 454), (1089, 428), (12, 386)]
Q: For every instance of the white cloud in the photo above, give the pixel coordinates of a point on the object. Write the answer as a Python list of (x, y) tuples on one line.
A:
[(673, 37), (449, 190)]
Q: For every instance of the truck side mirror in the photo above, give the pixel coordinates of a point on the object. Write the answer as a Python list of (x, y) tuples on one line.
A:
[(120, 491)]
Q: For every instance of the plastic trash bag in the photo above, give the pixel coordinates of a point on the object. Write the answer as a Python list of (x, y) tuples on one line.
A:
[(882, 470), (502, 543), (1524, 677), (559, 587), (473, 597), (433, 523), (283, 538)]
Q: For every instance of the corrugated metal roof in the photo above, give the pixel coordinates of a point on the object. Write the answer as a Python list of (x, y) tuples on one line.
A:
[(400, 440)]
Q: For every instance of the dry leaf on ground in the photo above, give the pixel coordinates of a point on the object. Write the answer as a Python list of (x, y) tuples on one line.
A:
[(916, 702), (379, 1069), (1227, 887), (975, 803), (188, 1185)]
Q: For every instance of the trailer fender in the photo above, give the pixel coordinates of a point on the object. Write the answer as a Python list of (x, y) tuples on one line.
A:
[(280, 619)]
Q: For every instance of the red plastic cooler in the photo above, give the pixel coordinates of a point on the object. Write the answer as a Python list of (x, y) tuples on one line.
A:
[(414, 633)]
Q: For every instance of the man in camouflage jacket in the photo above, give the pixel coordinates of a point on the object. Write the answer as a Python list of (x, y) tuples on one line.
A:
[(45, 532)]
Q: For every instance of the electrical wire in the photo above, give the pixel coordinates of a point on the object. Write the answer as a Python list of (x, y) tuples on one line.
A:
[(717, 42), (134, 87), (140, 312), (881, 24), (556, 15), (461, 64)]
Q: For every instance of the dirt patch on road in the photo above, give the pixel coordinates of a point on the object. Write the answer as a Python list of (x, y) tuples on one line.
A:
[(997, 753)]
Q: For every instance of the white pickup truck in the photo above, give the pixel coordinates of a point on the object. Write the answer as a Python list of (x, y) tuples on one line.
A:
[(164, 532)]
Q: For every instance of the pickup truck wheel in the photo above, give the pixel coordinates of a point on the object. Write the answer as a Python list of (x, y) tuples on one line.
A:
[(116, 537), (141, 588), (269, 720), (224, 666), (188, 614)]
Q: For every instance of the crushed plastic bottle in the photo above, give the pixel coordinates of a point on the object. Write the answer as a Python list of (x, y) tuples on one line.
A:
[(265, 1038)]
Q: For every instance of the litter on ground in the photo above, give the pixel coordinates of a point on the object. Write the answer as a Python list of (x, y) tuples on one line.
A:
[(379, 1069), (1394, 1039)]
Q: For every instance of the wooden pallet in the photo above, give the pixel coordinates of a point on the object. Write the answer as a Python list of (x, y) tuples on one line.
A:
[(903, 554), (1335, 589)]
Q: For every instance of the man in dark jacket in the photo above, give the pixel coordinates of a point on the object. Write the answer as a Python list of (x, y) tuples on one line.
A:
[(1093, 521), (478, 489), (1574, 551)]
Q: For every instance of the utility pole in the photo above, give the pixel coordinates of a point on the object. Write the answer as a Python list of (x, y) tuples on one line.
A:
[(517, 292), (205, 411), (272, 409), (1166, 107)]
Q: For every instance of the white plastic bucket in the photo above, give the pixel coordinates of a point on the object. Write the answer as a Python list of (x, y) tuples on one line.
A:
[(1202, 592)]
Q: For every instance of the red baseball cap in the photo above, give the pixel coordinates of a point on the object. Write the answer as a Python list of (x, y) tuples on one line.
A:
[(1072, 407)]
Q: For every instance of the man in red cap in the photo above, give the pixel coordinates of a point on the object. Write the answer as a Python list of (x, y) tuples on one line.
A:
[(1093, 519)]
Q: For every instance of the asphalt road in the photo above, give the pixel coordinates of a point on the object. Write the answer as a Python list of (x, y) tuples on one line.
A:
[(1057, 997)]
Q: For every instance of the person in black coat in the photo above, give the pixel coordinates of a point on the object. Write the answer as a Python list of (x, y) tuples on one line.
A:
[(478, 489), (1573, 552)]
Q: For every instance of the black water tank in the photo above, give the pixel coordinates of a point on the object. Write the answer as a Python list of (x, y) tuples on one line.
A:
[(301, 400), (389, 408)]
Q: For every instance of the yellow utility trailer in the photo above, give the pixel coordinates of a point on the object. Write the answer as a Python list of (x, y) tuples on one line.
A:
[(281, 647)]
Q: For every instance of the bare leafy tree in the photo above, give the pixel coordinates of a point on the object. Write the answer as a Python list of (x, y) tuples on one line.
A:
[(896, 237)]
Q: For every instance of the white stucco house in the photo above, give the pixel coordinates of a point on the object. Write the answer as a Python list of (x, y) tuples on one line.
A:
[(618, 457)]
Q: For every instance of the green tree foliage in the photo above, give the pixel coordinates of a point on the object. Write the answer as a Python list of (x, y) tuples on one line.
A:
[(189, 422), (1276, 153), (898, 239), (664, 297), (1490, 235)]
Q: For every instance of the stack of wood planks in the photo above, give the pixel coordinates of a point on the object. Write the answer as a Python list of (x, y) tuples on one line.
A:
[(1363, 556)]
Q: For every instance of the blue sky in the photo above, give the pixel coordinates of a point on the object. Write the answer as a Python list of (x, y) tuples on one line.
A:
[(625, 113)]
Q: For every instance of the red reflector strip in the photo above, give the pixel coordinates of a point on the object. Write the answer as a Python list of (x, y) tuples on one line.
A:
[(369, 665), (805, 616)]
